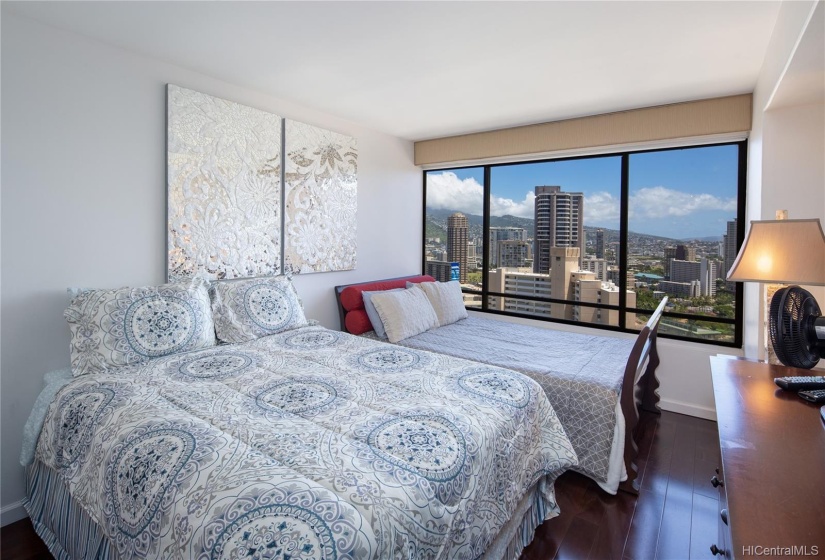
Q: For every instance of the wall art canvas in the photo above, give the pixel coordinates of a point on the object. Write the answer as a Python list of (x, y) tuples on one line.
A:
[(224, 187), (320, 184)]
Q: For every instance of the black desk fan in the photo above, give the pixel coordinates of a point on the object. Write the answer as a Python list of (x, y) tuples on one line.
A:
[(797, 328)]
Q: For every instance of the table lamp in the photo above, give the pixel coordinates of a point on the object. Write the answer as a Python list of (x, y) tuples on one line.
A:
[(788, 252)]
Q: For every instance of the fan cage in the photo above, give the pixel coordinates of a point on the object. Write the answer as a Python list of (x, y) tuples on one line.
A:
[(792, 315)]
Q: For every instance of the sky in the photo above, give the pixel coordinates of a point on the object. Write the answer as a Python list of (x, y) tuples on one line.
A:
[(675, 193)]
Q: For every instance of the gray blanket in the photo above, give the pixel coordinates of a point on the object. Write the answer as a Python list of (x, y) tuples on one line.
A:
[(581, 374)]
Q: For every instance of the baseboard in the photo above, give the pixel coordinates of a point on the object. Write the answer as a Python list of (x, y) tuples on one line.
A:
[(12, 512), (689, 409)]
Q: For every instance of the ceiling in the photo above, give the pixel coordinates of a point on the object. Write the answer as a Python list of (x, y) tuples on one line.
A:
[(421, 70)]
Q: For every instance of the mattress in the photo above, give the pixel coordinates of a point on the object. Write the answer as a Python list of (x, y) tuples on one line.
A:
[(580, 374), (307, 444)]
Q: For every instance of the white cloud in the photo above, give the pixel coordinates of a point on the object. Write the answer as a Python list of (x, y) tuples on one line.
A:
[(503, 206), (661, 202), (601, 208), (446, 191)]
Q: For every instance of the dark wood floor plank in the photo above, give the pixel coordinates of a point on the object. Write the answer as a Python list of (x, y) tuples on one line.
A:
[(706, 459), (674, 533), (704, 526), (18, 541), (644, 529), (614, 527), (578, 542), (657, 466)]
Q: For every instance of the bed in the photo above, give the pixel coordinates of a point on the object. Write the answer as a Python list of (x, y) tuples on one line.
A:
[(596, 384), (296, 443)]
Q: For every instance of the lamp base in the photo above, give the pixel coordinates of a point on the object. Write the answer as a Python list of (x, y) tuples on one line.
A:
[(770, 353)]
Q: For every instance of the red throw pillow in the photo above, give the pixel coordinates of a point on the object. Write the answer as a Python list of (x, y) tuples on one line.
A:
[(351, 295), (357, 322)]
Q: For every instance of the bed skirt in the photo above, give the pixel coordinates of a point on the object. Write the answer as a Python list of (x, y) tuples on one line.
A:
[(535, 508), (70, 533), (66, 528)]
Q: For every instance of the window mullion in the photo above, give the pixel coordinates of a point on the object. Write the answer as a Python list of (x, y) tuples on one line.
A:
[(623, 224), (485, 237)]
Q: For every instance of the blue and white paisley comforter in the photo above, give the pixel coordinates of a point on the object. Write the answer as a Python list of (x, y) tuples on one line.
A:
[(307, 444)]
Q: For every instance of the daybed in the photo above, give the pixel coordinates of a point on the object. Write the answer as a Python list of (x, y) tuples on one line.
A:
[(596, 384), (294, 441)]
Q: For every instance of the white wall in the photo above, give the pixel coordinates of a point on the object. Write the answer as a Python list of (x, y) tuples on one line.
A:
[(766, 157), (793, 170), (84, 199)]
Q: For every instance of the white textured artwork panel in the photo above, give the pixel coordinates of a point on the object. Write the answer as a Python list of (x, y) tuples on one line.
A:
[(320, 182), (224, 187)]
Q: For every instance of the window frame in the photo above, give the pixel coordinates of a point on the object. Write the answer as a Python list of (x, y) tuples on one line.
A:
[(737, 321)]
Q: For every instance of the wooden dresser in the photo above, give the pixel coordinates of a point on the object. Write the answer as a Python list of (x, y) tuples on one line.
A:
[(772, 477)]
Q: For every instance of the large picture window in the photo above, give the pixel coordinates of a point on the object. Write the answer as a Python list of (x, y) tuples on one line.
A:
[(598, 239)]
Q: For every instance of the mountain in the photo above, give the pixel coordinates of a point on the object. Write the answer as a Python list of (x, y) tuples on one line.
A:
[(437, 223), (709, 239), (437, 227)]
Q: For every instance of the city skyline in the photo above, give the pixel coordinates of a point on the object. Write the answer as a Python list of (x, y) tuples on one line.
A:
[(676, 193)]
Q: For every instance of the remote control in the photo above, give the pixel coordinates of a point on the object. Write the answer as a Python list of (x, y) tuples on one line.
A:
[(813, 395), (799, 383)]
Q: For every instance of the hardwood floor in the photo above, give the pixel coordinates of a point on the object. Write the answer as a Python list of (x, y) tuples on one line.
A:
[(18, 541), (674, 516)]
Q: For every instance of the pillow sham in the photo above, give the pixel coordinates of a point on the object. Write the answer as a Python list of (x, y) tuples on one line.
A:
[(447, 300), (404, 313), (375, 319), (249, 309), (115, 328)]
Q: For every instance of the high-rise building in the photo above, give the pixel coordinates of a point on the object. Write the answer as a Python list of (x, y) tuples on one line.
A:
[(520, 282), (614, 275), (513, 253), (473, 256), (588, 288), (498, 234), (559, 222), (458, 229), (596, 265), (687, 271), (729, 249), (599, 243), (681, 253), (564, 262), (440, 270), (681, 289), (564, 282)]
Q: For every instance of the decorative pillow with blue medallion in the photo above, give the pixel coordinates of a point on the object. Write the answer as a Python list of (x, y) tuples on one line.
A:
[(249, 309), (115, 328)]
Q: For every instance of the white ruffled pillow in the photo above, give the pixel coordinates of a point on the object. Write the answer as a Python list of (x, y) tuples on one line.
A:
[(447, 300), (249, 309), (115, 328), (404, 313)]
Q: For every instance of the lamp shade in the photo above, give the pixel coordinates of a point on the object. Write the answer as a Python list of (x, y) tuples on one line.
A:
[(782, 251)]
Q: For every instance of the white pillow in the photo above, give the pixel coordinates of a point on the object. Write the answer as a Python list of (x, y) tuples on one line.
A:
[(447, 300), (405, 313)]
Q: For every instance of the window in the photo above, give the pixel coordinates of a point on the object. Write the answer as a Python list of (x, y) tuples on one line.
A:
[(598, 239)]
